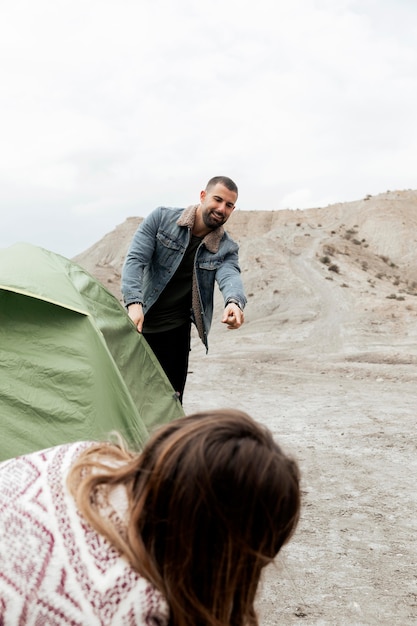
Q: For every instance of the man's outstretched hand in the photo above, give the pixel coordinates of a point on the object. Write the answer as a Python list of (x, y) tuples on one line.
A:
[(233, 316)]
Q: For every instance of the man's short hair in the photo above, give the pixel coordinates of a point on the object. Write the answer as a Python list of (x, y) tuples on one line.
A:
[(223, 180)]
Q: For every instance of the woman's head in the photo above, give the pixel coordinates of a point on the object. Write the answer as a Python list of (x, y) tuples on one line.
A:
[(216, 500), (212, 500)]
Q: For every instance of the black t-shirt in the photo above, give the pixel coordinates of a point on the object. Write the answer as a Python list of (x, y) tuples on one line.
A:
[(173, 307)]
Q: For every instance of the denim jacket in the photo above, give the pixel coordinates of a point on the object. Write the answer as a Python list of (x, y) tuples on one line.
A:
[(156, 251)]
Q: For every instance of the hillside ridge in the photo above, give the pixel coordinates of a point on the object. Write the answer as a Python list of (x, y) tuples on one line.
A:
[(346, 272)]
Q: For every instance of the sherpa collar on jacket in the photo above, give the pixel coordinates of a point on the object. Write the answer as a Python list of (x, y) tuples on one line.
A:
[(212, 240)]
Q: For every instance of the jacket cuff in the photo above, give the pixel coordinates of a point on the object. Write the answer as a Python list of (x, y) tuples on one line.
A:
[(235, 301)]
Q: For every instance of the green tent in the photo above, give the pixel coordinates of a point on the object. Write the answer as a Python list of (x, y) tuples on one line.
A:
[(72, 365)]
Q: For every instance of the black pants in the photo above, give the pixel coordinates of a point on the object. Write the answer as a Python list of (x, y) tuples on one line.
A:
[(172, 349)]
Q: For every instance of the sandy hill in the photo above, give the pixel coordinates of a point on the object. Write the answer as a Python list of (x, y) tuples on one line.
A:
[(344, 273)]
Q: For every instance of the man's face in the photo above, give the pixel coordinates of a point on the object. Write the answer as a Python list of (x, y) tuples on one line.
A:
[(217, 205)]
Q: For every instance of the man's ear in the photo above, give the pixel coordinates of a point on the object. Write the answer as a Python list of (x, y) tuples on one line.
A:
[(202, 195)]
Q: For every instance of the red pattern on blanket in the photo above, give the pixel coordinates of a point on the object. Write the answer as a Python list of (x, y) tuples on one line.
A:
[(54, 568)]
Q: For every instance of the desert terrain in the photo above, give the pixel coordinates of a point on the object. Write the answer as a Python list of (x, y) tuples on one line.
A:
[(327, 359)]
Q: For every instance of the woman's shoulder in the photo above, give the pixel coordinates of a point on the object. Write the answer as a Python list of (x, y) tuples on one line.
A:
[(39, 460)]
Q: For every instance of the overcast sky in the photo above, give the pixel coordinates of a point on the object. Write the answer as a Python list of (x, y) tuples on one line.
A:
[(110, 108)]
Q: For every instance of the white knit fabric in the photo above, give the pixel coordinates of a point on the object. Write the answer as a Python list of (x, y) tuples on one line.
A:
[(54, 568)]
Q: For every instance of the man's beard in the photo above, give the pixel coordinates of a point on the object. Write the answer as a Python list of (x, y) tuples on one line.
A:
[(211, 222)]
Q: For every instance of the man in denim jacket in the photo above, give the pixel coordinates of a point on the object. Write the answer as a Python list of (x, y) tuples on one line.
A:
[(168, 277)]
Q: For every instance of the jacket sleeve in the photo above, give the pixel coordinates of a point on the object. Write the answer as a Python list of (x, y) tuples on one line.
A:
[(229, 279), (139, 257)]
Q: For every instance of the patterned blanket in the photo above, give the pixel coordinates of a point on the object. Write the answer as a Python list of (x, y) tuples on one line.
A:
[(54, 568)]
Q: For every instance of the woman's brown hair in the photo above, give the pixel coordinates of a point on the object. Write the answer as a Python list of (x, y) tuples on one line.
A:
[(212, 499)]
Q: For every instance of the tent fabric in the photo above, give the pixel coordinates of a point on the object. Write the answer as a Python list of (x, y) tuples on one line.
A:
[(72, 365)]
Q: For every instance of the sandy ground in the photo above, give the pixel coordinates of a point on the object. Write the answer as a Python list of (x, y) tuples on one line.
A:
[(351, 424)]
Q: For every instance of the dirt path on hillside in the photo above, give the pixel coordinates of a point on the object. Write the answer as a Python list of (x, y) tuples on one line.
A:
[(333, 311)]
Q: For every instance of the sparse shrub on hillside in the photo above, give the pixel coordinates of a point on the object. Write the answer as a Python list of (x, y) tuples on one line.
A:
[(334, 268), (380, 275), (387, 260), (394, 296), (325, 260), (356, 242), (350, 232), (412, 289), (365, 265), (344, 285), (329, 250)]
